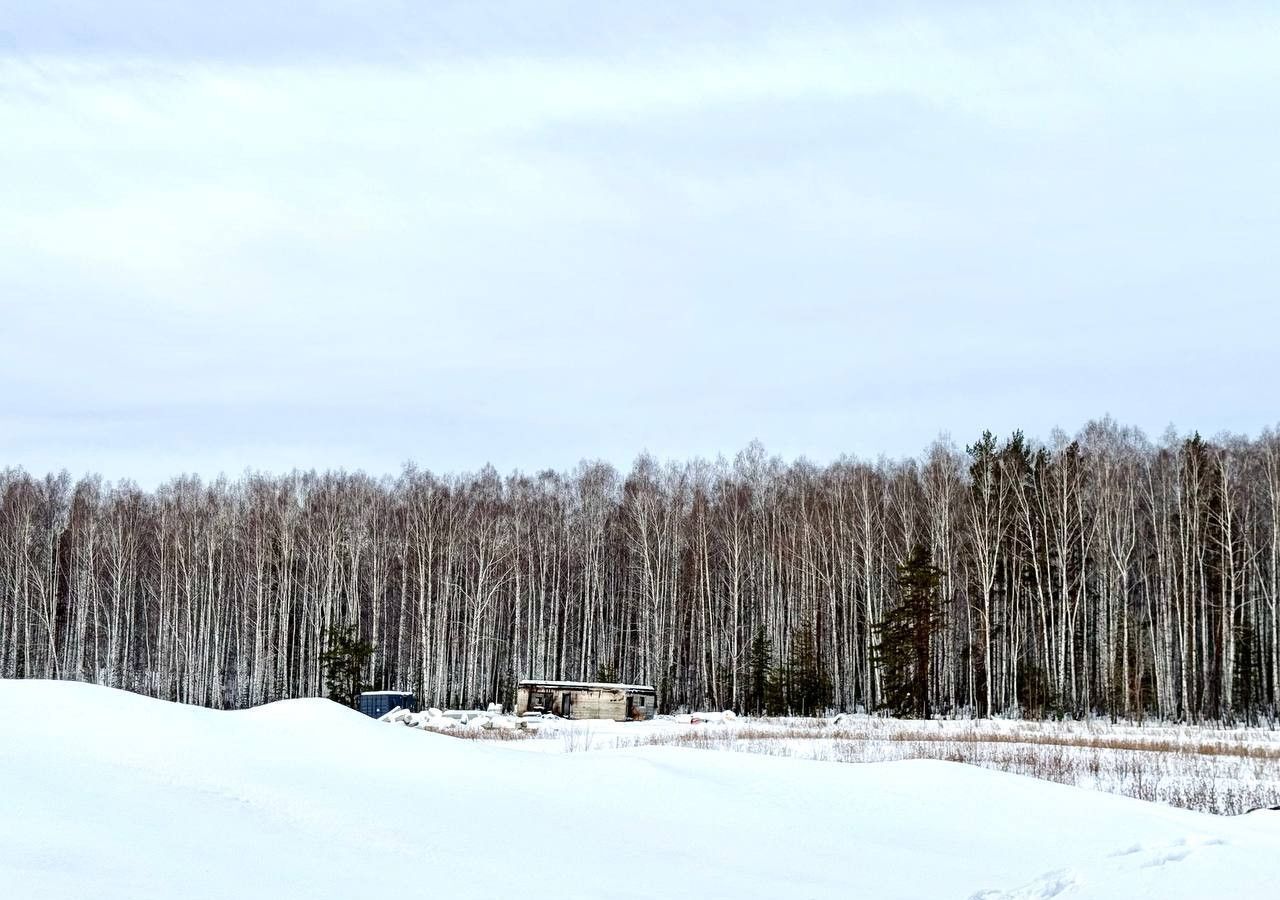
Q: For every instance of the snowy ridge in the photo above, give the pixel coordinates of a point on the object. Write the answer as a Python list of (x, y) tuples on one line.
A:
[(112, 795)]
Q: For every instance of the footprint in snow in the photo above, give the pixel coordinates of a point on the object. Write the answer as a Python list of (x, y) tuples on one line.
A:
[(1146, 856), (1050, 884), (1161, 854), (1129, 851)]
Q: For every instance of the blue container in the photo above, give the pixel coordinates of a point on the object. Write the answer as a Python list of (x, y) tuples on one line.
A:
[(378, 703)]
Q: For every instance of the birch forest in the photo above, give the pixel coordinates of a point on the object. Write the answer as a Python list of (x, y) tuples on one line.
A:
[(1104, 574)]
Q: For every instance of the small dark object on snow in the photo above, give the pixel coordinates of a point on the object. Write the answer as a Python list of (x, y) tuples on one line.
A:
[(379, 703)]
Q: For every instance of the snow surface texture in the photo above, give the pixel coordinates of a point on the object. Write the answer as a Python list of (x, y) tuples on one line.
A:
[(112, 795), (1208, 768)]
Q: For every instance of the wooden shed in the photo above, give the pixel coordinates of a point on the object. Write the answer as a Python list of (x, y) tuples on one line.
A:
[(587, 700)]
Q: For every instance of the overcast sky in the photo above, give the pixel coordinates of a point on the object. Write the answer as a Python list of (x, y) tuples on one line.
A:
[(529, 234)]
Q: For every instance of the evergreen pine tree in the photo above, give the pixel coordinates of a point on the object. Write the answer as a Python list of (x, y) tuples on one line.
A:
[(902, 651), (344, 659), (808, 687), (775, 691), (758, 684)]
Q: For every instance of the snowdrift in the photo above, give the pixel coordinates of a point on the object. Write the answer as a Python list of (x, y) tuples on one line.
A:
[(111, 795)]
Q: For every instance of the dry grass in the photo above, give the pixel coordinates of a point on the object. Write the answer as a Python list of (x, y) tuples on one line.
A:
[(818, 730), (1224, 771), (1206, 775), (487, 734)]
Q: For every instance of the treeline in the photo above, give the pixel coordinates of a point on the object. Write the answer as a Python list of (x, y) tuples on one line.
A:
[(1102, 574)]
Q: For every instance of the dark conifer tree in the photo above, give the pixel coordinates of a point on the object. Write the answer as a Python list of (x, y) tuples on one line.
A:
[(804, 683), (759, 659), (904, 635), (344, 658)]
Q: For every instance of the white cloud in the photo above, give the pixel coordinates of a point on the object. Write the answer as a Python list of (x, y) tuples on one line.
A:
[(523, 235)]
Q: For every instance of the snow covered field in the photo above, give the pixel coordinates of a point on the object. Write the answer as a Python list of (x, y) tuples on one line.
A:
[(1204, 768), (112, 795)]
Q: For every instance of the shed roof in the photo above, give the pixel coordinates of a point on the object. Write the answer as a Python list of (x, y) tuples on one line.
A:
[(587, 685)]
